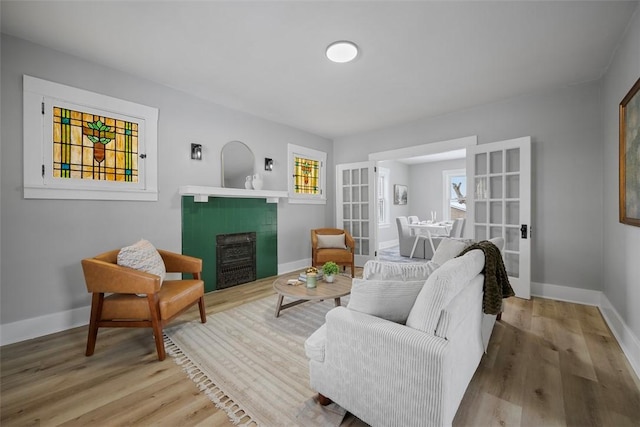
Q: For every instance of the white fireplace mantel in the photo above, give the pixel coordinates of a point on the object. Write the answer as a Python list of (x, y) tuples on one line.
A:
[(202, 193)]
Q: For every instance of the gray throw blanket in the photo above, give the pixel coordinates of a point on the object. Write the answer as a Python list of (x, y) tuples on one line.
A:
[(496, 281)]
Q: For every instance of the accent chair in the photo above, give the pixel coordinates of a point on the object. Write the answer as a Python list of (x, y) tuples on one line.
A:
[(332, 244), (159, 301)]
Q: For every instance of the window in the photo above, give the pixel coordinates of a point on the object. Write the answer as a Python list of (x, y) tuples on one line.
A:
[(455, 192), (83, 145), (307, 180), (383, 197)]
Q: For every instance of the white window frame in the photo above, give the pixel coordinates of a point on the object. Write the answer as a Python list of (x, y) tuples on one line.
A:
[(383, 195), (446, 190), (309, 153), (39, 96)]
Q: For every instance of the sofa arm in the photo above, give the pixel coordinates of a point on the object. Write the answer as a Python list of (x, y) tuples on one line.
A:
[(350, 331), (383, 372)]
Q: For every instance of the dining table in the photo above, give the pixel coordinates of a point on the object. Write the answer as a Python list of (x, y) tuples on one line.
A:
[(430, 229)]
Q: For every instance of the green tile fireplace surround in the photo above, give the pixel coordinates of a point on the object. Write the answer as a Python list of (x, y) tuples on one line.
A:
[(202, 222)]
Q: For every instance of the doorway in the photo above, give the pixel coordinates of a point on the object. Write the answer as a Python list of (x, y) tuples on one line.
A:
[(433, 152)]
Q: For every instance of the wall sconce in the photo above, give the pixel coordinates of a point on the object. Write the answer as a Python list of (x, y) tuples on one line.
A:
[(268, 164), (196, 151)]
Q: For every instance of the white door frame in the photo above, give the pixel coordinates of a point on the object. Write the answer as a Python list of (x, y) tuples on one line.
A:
[(430, 149)]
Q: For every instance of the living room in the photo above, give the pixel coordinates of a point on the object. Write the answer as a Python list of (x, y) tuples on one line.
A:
[(580, 250)]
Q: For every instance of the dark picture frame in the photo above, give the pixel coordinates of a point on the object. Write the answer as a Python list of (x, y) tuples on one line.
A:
[(630, 157), (399, 194)]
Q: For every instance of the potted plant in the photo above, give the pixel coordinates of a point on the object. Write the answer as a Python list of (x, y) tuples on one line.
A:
[(330, 269)]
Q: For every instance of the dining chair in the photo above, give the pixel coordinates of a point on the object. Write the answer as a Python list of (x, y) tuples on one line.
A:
[(457, 230)]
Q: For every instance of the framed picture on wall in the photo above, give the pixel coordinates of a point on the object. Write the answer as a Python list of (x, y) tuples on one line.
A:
[(399, 194), (630, 157)]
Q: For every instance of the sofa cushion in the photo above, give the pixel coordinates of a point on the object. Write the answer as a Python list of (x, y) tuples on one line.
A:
[(449, 249), (386, 270), (498, 241), (441, 287), (315, 344), (331, 241), (142, 256), (388, 299)]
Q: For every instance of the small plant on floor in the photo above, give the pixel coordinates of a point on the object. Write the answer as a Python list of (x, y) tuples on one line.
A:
[(330, 269)]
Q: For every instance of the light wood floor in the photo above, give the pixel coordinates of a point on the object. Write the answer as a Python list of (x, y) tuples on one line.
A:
[(549, 363)]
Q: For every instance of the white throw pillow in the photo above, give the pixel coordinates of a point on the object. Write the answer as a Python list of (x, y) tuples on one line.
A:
[(449, 249), (388, 299), (142, 256), (498, 241), (441, 287), (336, 241)]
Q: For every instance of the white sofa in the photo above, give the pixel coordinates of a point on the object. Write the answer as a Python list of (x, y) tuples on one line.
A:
[(404, 350)]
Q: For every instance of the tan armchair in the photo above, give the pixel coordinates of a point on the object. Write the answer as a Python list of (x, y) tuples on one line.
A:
[(123, 308), (325, 249)]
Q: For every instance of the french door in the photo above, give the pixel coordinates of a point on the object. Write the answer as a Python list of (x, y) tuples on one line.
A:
[(499, 203), (355, 200)]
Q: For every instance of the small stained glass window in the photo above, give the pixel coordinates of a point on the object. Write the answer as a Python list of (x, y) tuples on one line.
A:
[(307, 172), (80, 144), (92, 147)]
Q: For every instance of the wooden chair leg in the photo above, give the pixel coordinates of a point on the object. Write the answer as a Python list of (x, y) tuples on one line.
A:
[(156, 324), (323, 400), (96, 312), (203, 313)]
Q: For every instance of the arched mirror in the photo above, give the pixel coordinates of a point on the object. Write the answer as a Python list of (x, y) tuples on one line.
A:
[(237, 164)]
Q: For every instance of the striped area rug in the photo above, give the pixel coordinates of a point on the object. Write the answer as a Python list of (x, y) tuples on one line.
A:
[(252, 365)]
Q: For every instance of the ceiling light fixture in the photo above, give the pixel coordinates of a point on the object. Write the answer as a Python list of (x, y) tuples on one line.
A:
[(342, 51)]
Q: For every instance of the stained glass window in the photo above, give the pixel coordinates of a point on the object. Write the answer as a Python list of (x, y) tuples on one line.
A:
[(84, 145), (307, 171), (92, 147), (306, 174)]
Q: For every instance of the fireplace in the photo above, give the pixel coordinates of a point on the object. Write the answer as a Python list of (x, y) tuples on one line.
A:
[(202, 222), (235, 259)]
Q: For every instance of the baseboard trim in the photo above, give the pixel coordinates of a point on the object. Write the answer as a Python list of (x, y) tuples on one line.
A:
[(566, 293), (624, 335), (35, 327), (293, 266), (388, 244)]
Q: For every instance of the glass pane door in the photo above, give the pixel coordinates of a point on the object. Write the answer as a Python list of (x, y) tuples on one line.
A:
[(354, 210), (501, 202)]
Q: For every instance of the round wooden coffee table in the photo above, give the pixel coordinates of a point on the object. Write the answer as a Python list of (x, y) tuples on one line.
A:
[(340, 287)]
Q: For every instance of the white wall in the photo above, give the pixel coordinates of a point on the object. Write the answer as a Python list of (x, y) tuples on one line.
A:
[(566, 126), (621, 254), (43, 241), (426, 181)]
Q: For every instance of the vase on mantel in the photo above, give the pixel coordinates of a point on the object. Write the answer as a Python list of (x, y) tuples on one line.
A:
[(247, 182), (257, 182)]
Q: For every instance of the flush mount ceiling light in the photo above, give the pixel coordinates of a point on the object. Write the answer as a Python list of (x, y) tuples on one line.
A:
[(342, 51)]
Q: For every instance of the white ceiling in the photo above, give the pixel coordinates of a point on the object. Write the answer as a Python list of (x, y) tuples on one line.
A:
[(266, 58)]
